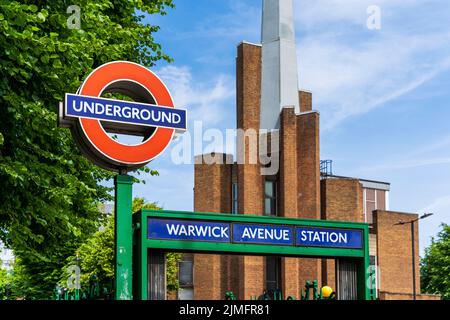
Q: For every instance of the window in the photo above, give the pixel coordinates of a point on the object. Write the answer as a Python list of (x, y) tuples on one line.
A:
[(375, 200), (157, 275), (270, 198), (273, 274), (381, 200), (186, 294), (371, 204), (346, 279), (234, 195), (186, 278)]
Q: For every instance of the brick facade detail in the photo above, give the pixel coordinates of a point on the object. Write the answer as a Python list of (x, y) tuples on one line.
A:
[(212, 193), (395, 252), (302, 194)]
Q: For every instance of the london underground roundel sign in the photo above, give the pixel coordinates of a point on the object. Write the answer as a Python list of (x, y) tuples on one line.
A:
[(150, 114)]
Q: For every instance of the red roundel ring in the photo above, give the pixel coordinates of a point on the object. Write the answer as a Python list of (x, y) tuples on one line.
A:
[(113, 151)]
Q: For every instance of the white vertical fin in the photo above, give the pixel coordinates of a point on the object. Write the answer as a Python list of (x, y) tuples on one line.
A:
[(279, 62)]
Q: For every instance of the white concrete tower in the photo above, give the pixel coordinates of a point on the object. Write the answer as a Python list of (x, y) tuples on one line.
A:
[(279, 62)]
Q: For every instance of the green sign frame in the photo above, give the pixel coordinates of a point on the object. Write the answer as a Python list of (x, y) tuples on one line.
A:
[(143, 245)]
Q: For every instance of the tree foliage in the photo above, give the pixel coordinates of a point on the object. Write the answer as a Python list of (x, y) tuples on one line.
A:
[(5, 281), (172, 259), (96, 255), (49, 192), (435, 266)]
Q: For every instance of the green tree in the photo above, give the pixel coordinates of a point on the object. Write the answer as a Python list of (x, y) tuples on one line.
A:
[(140, 203), (21, 283), (96, 255), (435, 266), (5, 281), (49, 192), (172, 259), (13, 283)]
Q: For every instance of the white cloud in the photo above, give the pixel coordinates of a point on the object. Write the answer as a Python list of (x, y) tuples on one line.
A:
[(312, 14), (204, 100), (352, 71), (349, 69), (406, 164)]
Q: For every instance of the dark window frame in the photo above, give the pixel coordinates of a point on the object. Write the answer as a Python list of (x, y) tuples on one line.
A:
[(273, 281), (187, 285), (234, 198), (274, 200)]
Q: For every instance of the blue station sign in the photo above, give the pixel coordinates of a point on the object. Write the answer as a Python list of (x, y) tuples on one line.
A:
[(329, 238), (79, 106), (252, 233), (161, 229), (263, 234)]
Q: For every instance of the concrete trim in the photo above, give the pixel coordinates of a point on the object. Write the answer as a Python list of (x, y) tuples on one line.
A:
[(250, 43), (308, 112), (368, 182), (375, 185), (396, 212)]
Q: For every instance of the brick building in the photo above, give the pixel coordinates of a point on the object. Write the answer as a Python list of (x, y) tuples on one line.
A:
[(299, 190)]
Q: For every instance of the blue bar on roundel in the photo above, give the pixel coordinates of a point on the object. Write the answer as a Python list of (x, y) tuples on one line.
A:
[(263, 234), (329, 238), (132, 113), (186, 230)]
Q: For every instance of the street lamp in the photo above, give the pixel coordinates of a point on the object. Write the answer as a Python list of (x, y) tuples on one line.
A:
[(412, 222)]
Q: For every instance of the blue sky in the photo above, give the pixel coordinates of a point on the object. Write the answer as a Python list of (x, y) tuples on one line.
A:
[(383, 94)]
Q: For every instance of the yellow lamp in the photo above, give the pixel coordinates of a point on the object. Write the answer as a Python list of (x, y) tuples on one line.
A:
[(326, 292)]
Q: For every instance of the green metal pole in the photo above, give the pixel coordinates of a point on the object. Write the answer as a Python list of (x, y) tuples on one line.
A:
[(124, 237)]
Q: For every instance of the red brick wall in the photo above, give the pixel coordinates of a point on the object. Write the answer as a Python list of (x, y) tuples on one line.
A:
[(308, 180), (341, 200), (212, 193), (400, 296), (394, 252), (329, 273), (248, 86), (250, 181), (288, 165), (299, 175), (289, 193), (305, 101), (308, 162), (299, 185), (302, 195)]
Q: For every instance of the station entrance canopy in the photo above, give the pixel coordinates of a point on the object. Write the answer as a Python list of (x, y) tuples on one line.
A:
[(172, 231)]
